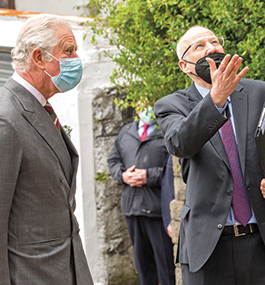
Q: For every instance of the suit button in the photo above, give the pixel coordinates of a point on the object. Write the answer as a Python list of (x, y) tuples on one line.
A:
[(61, 179), (230, 192), (219, 226)]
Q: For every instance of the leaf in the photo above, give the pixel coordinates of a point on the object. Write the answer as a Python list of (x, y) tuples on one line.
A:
[(146, 33)]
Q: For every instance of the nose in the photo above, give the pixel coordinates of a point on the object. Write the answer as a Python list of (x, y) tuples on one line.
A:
[(74, 54), (210, 48)]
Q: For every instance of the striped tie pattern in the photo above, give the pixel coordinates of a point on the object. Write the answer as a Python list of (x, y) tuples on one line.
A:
[(240, 201), (51, 112)]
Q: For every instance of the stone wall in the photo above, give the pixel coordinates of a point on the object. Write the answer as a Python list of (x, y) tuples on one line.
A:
[(112, 230), (118, 252), (175, 208)]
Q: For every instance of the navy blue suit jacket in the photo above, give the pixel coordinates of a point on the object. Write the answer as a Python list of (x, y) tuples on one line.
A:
[(167, 191)]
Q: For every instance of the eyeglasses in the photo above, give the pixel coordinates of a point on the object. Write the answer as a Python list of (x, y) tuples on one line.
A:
[(201, 44)]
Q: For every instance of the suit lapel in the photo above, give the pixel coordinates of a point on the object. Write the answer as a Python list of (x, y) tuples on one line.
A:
[(155, 133), (239, 108), (48, 131), (73, 153), (194, 96), (217, 143), (239, 105), (133, 130), (74, 159), (40, 120)]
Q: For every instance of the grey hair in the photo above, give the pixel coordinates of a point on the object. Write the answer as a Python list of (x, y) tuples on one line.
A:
[(37, 31), (180, 49)]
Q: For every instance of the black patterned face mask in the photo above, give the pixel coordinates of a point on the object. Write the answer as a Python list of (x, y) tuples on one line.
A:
[(202, 67)]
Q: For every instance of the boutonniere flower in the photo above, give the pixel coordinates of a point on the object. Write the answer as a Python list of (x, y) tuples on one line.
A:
[(68, 130)]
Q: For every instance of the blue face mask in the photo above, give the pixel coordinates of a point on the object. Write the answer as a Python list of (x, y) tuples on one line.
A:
[(70, 75), (148, 116)]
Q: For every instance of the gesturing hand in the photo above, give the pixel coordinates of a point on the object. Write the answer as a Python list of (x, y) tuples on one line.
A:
[(225, 78)]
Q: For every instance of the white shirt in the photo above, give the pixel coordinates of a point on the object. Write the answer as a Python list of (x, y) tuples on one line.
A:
[(150, 128), (29, 87)]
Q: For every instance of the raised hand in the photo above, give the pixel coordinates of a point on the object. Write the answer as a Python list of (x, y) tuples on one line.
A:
[(225, 79)]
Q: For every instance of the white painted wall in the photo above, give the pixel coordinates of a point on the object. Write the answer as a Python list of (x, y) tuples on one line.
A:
[(64, 7), (74, 109)]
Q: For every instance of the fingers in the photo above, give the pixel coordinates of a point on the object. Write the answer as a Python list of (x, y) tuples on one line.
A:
[(212, 64), (233, 66), (224, 62), (134, 177), (230, 67), (262, 187), (142, 173), (225, 78), (222, 66), (169, 230), (130, 169), (137, 178), (242, 73), (127, 174)]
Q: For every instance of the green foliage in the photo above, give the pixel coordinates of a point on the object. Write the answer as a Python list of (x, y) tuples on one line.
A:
[(146, 33), (101, 176)]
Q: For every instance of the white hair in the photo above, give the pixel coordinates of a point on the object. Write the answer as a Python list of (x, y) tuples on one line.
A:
[(37, 31)]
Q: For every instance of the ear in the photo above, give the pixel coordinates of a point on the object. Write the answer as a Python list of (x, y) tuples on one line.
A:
[(184, 66), (37, 58)]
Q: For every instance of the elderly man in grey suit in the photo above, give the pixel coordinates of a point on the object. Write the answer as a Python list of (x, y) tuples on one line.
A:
[(39, 234), (210, 126)]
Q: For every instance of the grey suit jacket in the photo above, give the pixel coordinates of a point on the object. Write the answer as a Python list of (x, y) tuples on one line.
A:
[(39, 240), (190, 125)]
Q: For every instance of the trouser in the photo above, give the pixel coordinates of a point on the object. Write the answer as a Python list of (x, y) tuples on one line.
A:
[(235, 261), (153, 250)]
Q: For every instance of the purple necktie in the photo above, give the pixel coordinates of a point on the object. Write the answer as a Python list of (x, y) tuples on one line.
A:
[(240, 201)]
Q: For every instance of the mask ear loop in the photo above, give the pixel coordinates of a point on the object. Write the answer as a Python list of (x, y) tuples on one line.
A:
[(191, 63), (47, 73), (51, 56)]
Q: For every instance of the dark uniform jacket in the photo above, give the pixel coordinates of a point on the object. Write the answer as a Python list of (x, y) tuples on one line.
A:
[(150, 154)]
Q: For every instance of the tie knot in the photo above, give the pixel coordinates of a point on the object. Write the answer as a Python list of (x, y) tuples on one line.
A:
[(145, 126), (48, 107)]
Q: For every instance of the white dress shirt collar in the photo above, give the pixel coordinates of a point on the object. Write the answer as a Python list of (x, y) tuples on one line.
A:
[(29, 87), (203, 91)]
